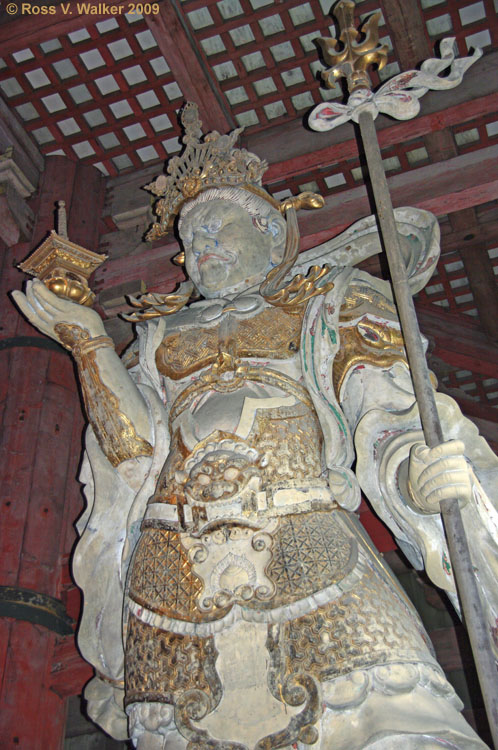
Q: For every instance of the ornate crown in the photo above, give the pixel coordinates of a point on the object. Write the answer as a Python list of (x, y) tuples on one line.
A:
[(211, 163)]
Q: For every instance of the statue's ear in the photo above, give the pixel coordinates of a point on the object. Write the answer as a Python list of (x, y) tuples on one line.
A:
[(278, 229)]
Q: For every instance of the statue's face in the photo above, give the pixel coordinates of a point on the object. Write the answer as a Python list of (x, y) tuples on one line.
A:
[(224, 249)]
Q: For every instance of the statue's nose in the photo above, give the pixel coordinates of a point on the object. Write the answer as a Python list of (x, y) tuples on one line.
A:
[(204, 242)]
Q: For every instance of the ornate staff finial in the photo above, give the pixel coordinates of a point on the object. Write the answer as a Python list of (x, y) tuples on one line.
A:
[(61, 219), (352, 62)]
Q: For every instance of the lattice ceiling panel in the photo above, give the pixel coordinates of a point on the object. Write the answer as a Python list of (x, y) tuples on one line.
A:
[(103, 93), (473, 385)]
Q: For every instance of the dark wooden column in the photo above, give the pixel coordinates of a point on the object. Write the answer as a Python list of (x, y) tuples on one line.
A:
[(39, 458)]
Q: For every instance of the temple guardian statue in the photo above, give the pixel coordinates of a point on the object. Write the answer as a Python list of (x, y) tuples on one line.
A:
[(231, 599)]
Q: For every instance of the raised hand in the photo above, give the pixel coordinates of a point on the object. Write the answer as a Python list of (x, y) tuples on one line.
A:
[(439, 473), (45, 311)]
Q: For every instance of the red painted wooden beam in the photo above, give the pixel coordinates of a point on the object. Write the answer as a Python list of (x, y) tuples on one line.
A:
[(466, 180), (469, 350), (388, 136), (191, 71)]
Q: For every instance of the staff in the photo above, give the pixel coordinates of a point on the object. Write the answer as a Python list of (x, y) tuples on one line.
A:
[(399, 98)]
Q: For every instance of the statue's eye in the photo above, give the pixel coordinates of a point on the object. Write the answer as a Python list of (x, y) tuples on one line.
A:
[(212, 226)]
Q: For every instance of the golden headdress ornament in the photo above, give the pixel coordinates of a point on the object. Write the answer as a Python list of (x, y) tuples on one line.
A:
[(209, 162)]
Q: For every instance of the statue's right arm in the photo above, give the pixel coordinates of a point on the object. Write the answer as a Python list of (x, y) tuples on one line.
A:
[(114, 405)]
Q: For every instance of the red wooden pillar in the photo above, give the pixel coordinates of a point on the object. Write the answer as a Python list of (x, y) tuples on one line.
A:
[(39, 458)]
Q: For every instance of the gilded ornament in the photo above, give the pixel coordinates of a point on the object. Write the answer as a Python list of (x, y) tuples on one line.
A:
[(352, 62), (271, 334), (367, 342), (115, 433), (63, 266)]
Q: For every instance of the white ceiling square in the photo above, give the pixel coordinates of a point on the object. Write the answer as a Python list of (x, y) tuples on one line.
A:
[(213, 45), (37, 78), (78, 36), (293, 76), (107, 84), (27, 111), (172, 145), (94, 117), (265, 86), (146, 39), (275, 109), (479, 39), (236, 96), (301, 14), (200, 18), (308, 39), (43, 135), (282, 51), (80, 94), (101, 167), (229, 8), (120, 109), (53, 103), (10, 87), (108, 140), (122, 161), (134, 75), (472, 13), (161, 122), (245, 119), (64, 69), (253, 61), (147, 153), (242, 35), (148, 99), (92, 59), (303, 100), (83, 149), (69, 126), (172, 90), (50, 46), (134, 132), (334, 180), (225, 70), (133, 17), (159, 66), (271, 25), (108, 25), (120, 49), (23, 55)]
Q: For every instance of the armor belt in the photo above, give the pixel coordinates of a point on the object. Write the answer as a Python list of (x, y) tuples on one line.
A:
[(275, 501)]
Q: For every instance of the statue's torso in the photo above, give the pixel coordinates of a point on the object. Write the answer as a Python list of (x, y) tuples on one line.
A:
[(248, 582)]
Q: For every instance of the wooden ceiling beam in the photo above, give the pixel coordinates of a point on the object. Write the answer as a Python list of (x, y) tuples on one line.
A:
[(186, 61), (470, 350), (479, 270), (388, 136), (462, 182)]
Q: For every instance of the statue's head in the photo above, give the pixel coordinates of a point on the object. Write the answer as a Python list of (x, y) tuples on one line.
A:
[(235, 234), (232, 230), (231, 239)]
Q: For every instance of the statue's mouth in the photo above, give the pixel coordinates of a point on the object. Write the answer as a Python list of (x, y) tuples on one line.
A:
[(209, 256)]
